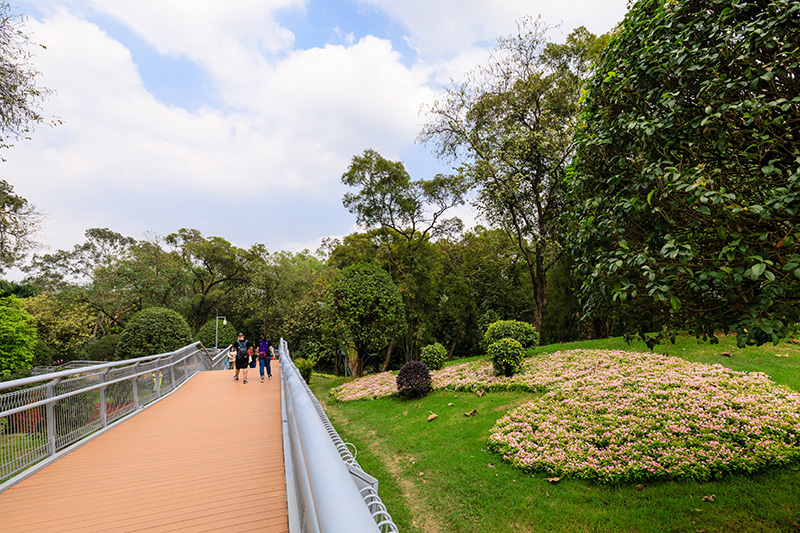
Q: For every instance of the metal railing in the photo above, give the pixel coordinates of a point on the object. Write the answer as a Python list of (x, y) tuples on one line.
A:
[(326, 489), (44, 416)]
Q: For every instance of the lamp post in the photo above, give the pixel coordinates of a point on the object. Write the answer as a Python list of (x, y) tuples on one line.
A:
[(216, 331)]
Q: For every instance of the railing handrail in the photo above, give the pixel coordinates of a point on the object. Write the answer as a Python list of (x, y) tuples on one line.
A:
[(326, 489), (22, 382)]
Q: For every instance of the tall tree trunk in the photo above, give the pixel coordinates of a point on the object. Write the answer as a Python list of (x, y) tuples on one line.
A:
[(388, 357), (356, 362), (453, 344)]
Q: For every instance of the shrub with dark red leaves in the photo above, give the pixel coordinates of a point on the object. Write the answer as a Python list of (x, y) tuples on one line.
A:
[(414, 380)]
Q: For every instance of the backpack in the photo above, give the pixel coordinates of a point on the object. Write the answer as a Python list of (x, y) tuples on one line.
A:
[(241, 349), (263, 347)]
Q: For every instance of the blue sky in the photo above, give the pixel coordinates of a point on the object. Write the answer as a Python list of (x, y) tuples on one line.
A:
[(239, 118)]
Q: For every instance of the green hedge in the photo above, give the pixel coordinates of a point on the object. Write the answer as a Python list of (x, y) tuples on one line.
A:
[(507, 356), (305, 367), (226, 334), (433, 355), (522, 332), (153, 331)]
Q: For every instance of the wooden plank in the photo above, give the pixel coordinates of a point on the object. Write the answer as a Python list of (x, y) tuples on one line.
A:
[(207, 458)]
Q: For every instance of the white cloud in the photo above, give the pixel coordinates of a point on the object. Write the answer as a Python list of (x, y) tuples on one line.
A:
[(349, 98), (291, 120), (441, 29)]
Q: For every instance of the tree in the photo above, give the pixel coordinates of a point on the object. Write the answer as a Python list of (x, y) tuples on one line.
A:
[(151, 276), (367, 307), (513, 122), (19, 113), (485, 279), (153, 331), (86, 274), (216, 268), (19, 222), (310, 326), (63, 326), (20, 97), (686, 184), (408, 214), (223, 333), (278, 282), (17, 338)]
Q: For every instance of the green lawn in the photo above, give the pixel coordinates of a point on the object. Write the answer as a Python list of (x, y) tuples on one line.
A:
[(439, 475)]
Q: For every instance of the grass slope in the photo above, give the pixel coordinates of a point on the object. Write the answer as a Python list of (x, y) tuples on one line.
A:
[(440, 476)]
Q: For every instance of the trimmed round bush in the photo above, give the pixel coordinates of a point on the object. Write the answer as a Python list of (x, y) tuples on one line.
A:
[(227, 334), (414, 380), (304, 366), (434, 355), (153, 331), (507, 356), (522, 332), (102, 349)]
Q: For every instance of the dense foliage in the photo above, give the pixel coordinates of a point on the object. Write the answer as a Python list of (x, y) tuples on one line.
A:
[(404, 215), (413, 380), (102, 349), (17, 337), (686, 186), (507, 356), (153, 331), (215, 330), (63, 326), (520, 331), (305, 368), (367, 309), (433, 356)]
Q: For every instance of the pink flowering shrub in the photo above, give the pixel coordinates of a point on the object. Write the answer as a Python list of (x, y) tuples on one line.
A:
[(366, 388), (628, 417), (618, 417)]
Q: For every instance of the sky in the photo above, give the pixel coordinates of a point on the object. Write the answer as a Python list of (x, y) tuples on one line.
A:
[(239, 118)]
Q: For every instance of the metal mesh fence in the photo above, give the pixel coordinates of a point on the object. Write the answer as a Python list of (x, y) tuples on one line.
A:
[(44, 414)]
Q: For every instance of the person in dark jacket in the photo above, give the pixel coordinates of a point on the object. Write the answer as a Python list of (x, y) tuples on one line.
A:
[(243, 349), (265, 353)]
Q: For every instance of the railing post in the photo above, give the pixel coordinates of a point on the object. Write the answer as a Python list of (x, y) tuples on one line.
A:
[(135, 383), (103, 411), (50, 413), (158, 374)]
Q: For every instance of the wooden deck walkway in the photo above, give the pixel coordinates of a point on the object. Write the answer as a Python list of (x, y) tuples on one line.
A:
[(207, 458)]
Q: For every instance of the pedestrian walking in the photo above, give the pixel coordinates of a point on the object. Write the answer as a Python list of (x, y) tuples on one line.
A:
[(231, 362), (265, 353), (243, 349)]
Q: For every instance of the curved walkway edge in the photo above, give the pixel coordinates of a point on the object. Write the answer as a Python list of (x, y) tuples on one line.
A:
[(207, 458)]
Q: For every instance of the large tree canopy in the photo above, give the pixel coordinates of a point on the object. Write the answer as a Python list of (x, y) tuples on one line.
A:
[(367, 308), (686, 186), (513, 123)]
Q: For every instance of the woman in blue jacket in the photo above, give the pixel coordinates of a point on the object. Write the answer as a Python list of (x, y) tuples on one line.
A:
[(265, 353)]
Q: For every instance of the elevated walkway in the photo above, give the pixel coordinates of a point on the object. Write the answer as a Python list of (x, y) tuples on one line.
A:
[(207, 458)]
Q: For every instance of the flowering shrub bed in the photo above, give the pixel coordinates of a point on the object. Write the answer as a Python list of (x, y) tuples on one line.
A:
[(614, 416), (624, 417), (367, 388)]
